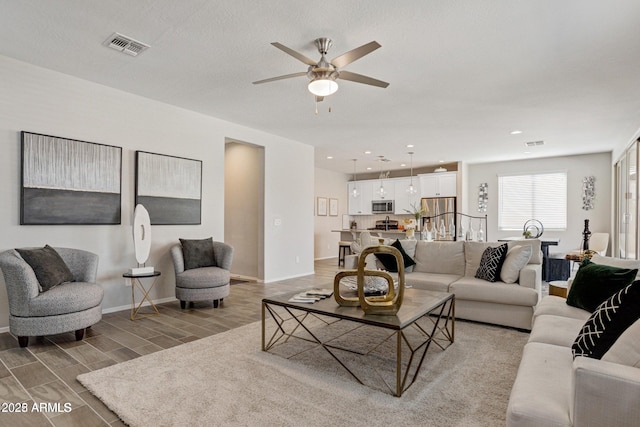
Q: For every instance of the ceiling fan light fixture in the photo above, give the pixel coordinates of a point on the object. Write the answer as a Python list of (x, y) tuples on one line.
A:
[(323, 87)]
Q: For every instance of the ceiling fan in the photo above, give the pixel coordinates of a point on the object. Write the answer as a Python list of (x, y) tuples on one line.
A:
[(323, 74)]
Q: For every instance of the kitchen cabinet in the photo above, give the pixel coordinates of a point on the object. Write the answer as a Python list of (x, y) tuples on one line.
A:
[(388, 188), (404, 200), (442, 184), (360, 205)]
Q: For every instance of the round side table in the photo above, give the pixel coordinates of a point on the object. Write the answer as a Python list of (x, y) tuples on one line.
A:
[(558, 288), (137, 283)]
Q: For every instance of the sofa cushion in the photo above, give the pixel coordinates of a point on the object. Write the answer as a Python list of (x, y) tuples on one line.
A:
[(626, 349), (470, 288), (491, 263), (557, 306), (68, 297), (389, 260), (536, 248), (541, 393), (48, 266), (198, 253), (617, 262), (439, 257), (517, 257), (608, 322), (473, 254), (557, 330), (431, 281), (594, 283)]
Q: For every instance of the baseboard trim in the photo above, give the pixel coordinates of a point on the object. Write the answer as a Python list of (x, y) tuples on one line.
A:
[(244, 278), (145, 304), (289, 277)]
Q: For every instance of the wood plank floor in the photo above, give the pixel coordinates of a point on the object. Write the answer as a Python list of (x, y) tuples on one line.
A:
[(45, 371)]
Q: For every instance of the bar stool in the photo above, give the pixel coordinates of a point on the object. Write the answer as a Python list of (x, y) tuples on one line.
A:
[(343, 247)]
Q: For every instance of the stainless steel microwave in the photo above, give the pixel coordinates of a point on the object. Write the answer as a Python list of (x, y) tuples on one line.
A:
[(382, 206)]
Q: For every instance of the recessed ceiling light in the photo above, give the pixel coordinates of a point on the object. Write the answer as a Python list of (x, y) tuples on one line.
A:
[(403, 164), (515, 132), (440, 161), (367, 152), (369, 168), (329, 157), (527, 152), (409, 145)]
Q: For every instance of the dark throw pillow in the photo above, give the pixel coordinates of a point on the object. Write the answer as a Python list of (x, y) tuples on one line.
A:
[(49, 267), (389, 260), (608, 322), (594, 283), (491, 263), (198, 253)]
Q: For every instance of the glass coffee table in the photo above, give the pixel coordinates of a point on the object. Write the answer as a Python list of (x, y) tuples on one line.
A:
[(425, 318)]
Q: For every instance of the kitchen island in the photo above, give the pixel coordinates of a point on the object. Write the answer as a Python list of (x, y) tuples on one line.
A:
[(353, 234)]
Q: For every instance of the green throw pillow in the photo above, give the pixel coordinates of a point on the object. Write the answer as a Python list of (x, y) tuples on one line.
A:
[(594, 283), (389, 260)]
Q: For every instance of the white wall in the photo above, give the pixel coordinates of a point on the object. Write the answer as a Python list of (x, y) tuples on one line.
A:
[(577, 167), (44, 101), (329, 184)]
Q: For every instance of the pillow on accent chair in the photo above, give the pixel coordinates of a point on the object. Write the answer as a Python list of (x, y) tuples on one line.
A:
[(389, 261), (49, 267), (491, 263), (594, 283), (198, 253), (517, 257), (608, 322)]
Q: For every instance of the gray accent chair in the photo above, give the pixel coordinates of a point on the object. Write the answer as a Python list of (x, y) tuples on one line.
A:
[(204, 283), (70, 306)]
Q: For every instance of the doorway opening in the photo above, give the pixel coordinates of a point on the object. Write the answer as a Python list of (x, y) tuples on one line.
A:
[(244, 207)]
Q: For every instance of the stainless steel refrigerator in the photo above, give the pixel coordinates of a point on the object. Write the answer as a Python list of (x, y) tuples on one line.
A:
[(439, 219)]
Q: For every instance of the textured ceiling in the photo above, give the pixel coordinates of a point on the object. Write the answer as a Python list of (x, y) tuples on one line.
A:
[(462, 74)]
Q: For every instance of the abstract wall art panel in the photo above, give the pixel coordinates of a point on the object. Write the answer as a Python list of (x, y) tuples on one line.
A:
[(65, 181), (170, 188)]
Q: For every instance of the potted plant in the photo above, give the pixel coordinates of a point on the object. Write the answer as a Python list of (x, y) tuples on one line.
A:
[(417, 213)]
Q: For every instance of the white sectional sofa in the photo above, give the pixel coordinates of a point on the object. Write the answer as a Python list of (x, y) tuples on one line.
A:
[(554, 389), (451, 267)]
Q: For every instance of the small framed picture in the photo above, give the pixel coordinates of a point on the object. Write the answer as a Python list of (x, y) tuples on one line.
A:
[(333, 207), (322, 206)]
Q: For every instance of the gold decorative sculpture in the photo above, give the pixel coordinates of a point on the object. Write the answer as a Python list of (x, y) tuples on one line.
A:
[(387, 304)]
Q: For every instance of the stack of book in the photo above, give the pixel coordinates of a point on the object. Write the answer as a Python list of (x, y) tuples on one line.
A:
[(311, 296)]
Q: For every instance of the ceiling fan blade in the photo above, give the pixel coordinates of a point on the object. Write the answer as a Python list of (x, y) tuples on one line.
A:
[(319, 98), (286, 76), (352, 55), (359, 78), (297, 55)]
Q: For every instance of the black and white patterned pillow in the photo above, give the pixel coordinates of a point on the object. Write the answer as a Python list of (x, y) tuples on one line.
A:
[(491, 263), (608, 322)]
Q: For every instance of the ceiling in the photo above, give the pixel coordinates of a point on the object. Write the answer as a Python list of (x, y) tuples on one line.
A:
[(462, 74)]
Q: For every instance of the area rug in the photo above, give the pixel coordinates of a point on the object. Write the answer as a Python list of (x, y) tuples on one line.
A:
[(226, 380)]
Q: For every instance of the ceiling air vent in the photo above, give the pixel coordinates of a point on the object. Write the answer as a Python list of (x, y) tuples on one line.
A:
[(125, 44), (534, 143)]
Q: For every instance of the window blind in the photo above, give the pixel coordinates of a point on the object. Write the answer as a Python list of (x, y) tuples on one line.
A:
[(540, 196)]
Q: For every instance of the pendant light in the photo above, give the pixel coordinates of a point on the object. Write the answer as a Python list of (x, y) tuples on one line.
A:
[(381, 191), (355, 193), (411, 190)]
